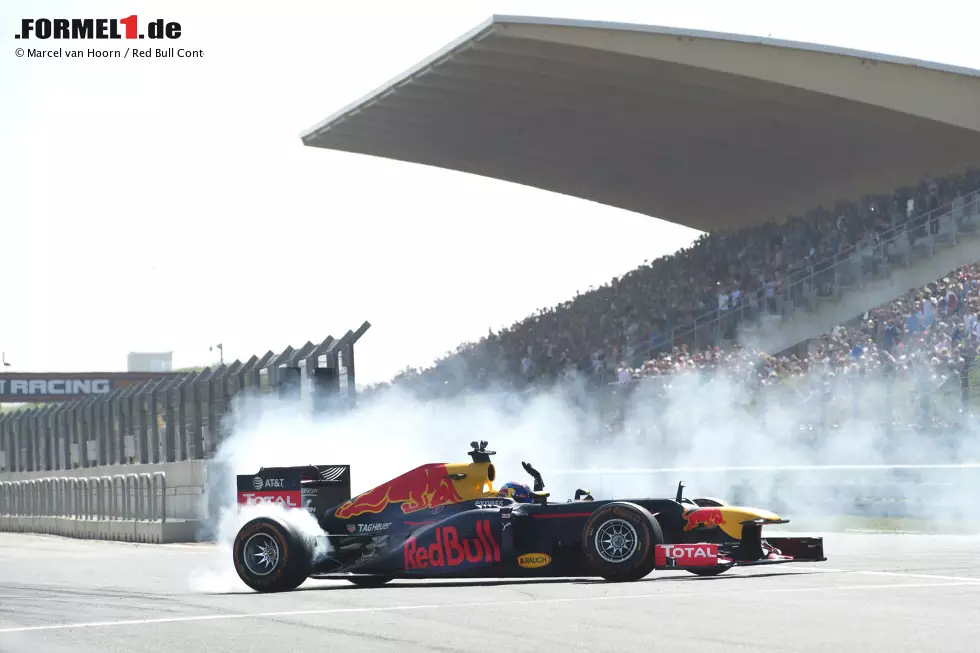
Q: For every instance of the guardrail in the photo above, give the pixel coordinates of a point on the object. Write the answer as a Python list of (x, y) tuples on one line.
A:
[(921, 236), (923, 397), (121, 506), (926, 497), (136, 497), (171, 419)]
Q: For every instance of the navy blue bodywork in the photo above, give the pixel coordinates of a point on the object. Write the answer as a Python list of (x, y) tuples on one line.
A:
[(494, 538)]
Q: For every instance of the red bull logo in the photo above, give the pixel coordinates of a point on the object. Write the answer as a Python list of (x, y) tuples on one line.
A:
[(450, 550), (706, 517), (428, 486)]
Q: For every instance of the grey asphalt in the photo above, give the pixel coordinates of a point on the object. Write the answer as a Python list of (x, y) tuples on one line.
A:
[(875, 593)]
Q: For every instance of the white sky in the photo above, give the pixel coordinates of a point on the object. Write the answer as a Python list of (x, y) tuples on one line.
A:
[(161, 204)]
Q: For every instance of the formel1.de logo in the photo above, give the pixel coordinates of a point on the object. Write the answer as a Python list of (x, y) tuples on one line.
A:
[(79, 29)]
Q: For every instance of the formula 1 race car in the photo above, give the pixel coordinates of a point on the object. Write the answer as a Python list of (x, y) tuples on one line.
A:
[(444, 520)]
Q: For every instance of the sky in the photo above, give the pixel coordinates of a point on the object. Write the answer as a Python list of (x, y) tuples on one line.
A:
[(169, 205)]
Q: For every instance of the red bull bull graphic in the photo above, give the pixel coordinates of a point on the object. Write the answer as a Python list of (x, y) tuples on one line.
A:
[(706, 517), (428, 486), (448, 549)]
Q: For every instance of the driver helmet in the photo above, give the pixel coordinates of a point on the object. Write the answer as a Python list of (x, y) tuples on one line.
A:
[(516, 491)]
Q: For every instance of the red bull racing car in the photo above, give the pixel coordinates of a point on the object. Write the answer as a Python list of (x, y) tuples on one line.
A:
[(445, 520)]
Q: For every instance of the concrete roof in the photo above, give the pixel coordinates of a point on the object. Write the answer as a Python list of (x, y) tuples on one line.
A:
[(698, 128)]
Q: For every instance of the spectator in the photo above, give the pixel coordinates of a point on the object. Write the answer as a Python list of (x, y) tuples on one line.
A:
[(728, 277)]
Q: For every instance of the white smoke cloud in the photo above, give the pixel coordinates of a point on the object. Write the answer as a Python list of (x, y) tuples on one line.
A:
[(699, 422), (217, 575)]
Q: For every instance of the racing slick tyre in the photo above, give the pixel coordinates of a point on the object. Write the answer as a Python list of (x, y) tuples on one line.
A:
[(270, 556), (370, 581), (619, 541)]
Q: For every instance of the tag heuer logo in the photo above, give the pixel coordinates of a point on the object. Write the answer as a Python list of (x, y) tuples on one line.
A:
[(257, 482), (351, 528)]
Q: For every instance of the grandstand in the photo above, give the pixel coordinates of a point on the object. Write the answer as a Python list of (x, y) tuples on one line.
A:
[(829, 182)]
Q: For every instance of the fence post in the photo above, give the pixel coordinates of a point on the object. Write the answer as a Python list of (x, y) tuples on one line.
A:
[(146, 496), (134, 496), (84, 506), (160, 484)]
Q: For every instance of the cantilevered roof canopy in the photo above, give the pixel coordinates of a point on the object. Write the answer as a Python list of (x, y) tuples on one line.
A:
[(704, 129)]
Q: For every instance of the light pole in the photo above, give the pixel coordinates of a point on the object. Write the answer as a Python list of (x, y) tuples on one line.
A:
[(221, 350)]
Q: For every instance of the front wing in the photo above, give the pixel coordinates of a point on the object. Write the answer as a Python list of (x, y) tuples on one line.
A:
[(773, 550)]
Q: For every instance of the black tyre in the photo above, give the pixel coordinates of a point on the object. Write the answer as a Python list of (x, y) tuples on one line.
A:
[(710, 571), (619, 539), (370, 581), (270, 556)]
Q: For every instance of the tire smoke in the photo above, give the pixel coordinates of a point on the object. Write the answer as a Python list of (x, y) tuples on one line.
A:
[(722, 438)]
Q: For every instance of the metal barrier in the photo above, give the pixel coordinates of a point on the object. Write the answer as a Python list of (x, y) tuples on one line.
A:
[(929, 497), (130, 497), (173, 419), (920, 237)]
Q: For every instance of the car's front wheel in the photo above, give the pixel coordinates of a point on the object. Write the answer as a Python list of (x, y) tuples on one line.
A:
[(619, 541), (269, 556)]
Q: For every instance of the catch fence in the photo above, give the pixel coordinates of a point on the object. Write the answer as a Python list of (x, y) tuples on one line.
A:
[(175, 418)]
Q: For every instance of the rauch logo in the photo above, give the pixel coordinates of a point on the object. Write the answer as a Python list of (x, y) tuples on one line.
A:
[(450, 550), (533, 560), (78, 29)]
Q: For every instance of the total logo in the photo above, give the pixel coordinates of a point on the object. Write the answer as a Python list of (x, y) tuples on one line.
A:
[(285, 499), (448, 549), (533, 560), (687, 555), (264, 484)]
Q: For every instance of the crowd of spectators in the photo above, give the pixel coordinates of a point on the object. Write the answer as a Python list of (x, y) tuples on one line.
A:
[(937, 326), (625, 329)]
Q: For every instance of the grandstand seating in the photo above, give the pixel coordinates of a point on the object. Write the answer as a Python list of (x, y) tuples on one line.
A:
[(728, 282)]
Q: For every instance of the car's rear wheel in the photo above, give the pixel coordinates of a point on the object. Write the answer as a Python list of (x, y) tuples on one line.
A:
[(370, 581), (619, 540), (270, 556)]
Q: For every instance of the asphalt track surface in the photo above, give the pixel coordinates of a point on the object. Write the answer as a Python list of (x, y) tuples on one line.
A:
[(875, 593)]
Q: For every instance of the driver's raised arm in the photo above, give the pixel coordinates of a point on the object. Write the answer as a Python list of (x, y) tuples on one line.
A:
[(536, 475)]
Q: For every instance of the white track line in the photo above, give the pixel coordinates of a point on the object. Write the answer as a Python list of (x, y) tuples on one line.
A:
[(764, 468), (897, 574), (903, 574), (480, 604)]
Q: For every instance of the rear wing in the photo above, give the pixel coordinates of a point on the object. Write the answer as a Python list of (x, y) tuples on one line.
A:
[(313, 487)]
